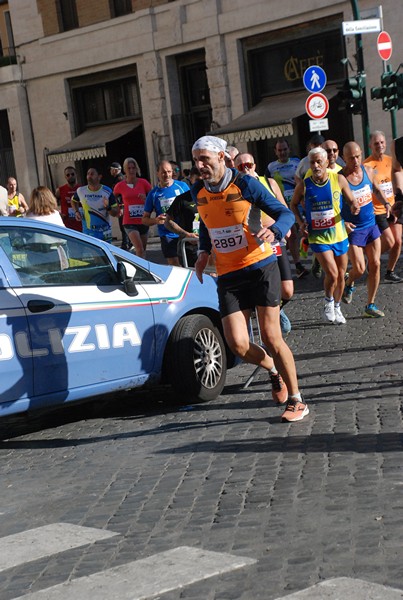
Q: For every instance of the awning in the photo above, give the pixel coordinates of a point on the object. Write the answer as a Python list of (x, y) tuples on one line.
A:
[(271, 118), (91, 143)]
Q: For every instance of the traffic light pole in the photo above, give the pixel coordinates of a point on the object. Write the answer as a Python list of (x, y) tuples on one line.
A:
[(393, 123), (386, 69), (360, 69)]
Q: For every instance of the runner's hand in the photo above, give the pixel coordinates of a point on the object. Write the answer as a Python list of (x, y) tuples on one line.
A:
[(355, 207), (200, 265), (349, 227), (266, 235)]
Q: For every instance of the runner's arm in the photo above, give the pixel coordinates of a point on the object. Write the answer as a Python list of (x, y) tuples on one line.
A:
[(348, 195), (256, 193), (173, 226), (75, 202), (22, 203), (296, 199)]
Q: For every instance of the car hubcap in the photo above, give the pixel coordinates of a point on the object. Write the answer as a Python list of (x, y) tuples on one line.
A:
[(208, 359)]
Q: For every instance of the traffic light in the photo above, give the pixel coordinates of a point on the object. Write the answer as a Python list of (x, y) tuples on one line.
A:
[(378, 93), (399, 90), (351, 94), (390, 92), (389, 85)]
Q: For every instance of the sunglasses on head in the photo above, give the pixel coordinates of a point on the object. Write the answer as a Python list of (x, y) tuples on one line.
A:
[(246, 165)]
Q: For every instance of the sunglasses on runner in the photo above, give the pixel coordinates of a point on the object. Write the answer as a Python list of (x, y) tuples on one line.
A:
[(243, 166)]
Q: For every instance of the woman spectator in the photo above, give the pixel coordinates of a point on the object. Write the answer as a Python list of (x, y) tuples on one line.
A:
[(16, 201), (133, 191), (43, 206)]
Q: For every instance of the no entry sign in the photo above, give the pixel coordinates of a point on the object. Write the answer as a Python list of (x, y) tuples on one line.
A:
[(384, 45)]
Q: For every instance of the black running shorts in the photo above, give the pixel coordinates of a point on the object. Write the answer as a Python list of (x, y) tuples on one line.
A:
[(248, 289)]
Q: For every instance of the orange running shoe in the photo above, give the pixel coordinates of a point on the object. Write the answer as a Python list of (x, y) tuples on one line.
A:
[(279, 390), (295, 410)]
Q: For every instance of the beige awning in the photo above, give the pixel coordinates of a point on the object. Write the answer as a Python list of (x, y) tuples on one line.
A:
[(91, 143), (271, 118)]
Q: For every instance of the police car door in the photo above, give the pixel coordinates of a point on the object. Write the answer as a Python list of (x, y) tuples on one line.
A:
[(16, 375), (85, 332)]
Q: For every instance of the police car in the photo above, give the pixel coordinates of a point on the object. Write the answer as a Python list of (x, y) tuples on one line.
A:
[(79, 318)]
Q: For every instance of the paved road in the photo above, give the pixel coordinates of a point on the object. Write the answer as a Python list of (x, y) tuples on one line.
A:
[(140, 497)]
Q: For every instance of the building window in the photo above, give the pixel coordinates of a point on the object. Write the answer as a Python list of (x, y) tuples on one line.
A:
[(195, 116), (120, 7), (7, 166), (67, 13), (106, 102), (10, 35)]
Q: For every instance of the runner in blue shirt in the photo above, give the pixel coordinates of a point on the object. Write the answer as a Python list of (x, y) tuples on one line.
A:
[(158, 200)]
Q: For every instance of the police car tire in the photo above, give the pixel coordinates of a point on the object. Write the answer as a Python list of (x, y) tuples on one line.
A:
[(196, 340)]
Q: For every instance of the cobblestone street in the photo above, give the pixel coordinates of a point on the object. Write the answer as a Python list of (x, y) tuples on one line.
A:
[(300, 504)]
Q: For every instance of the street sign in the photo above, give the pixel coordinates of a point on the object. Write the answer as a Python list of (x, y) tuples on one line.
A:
[(314, 79), (319, 125), (361, 26), (371, 13), (384, 45), (317, 106)]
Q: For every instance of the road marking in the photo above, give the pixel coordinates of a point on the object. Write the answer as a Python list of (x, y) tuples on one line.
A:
[(147, 577), (345, 587), (45, 541)]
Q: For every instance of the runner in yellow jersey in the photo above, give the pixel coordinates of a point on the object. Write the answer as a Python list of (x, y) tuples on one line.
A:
[(322, 192)]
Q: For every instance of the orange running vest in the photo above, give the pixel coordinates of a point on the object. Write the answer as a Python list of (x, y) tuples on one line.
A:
[(231, 222)]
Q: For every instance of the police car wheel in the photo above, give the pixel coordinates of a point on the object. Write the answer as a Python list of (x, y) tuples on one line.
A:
[(196, 358)]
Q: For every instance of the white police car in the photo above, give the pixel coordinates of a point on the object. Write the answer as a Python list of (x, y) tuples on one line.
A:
[(79, 318)]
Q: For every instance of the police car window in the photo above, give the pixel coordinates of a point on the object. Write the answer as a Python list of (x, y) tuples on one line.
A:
[(136, 272), (42, 259)]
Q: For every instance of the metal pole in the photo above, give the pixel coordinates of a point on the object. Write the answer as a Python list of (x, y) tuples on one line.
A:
[(387, 68), (360, 69)]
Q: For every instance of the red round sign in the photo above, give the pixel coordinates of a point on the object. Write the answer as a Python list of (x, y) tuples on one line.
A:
[(317, 106), (384, 45)]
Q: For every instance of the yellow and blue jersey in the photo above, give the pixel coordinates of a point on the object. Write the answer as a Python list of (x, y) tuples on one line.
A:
[(323, 203)]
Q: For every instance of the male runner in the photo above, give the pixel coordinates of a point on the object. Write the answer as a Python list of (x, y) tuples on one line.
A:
[(364, 235), (283, 172), (391, 232), (321, 190), (158, 200), (230, 205), (64, 195), (98, 204)]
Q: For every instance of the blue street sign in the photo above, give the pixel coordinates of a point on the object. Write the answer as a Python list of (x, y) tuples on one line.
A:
[(314, 79)]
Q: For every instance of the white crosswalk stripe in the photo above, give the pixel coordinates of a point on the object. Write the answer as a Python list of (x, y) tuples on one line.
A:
[(145, 578), (45, 541), (347, 588)]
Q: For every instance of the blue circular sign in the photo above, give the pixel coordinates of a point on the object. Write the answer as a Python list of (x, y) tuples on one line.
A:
[(314, 79)]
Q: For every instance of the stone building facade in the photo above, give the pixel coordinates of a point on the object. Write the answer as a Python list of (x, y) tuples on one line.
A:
[(99, 80)]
